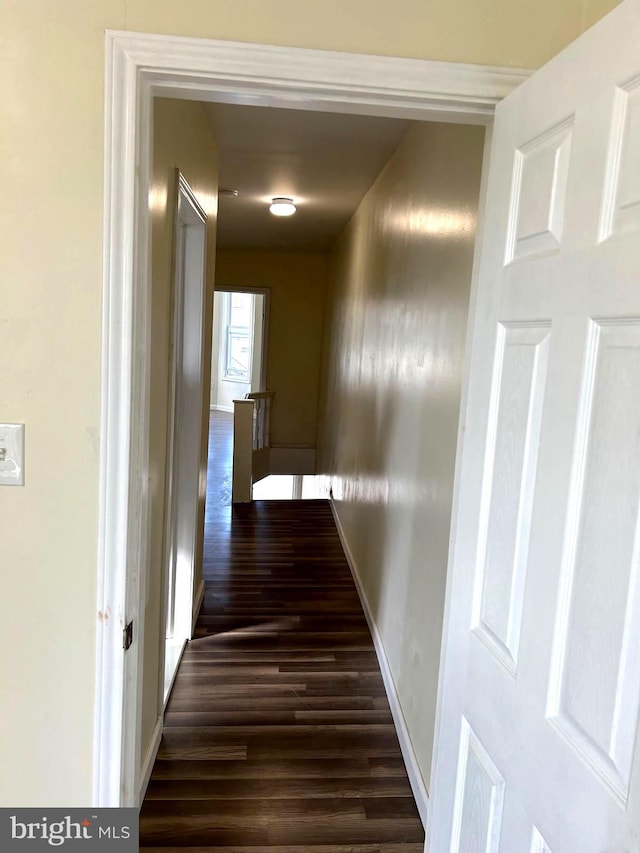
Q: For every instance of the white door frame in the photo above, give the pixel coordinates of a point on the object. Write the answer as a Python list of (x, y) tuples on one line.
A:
[(140, 66), (182, 498)]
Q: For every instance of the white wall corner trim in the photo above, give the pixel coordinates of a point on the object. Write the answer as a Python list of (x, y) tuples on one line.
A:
[(138, 67), (150, 759), (197, 606), (418, 786), (117, 489)]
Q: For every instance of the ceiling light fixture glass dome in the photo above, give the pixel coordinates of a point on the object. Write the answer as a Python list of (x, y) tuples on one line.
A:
[(281, 206)]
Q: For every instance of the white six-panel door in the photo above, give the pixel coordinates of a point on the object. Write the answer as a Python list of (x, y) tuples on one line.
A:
[(540, 686)]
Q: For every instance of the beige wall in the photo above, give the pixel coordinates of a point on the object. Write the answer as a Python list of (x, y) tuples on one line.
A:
[(500, 32), (398, 310), (297, 285), (51, 170)]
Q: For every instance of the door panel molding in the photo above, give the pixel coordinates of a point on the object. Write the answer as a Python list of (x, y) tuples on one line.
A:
[(598, 717), (517, 394)]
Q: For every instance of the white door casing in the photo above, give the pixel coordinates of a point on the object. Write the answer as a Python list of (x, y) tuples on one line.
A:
[(171, 499), (539, 696), (185, 422)]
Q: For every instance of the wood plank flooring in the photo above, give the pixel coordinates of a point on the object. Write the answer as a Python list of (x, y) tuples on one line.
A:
[(220, 464), (278, 732)]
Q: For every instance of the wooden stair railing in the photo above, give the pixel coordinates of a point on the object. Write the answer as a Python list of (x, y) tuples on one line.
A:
[(251, 442)]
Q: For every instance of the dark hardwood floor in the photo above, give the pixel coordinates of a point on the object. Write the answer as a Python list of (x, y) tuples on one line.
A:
[(278, 732)]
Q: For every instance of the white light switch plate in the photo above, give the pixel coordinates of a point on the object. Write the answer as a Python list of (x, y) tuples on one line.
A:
[(11, 454)]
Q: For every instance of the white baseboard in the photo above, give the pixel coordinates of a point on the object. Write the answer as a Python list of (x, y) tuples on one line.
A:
[(292, 460), (411, 763), (216, 408), (150, 758), (197, 605)]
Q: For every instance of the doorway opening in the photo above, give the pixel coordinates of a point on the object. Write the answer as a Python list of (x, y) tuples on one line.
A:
[(139, 68), (238, 356), (240, 335)]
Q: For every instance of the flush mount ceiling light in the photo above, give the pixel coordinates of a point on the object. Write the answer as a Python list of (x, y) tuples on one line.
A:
[(281, 206)]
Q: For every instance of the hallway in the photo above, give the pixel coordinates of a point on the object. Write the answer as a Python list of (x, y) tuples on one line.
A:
[(278, 734)]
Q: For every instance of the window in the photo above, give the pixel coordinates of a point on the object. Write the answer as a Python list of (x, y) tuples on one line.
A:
[(239, 328)]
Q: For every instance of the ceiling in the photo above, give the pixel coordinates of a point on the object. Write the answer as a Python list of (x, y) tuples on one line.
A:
[(325, 161)]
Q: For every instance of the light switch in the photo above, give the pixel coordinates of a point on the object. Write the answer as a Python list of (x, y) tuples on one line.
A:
[(11, 454)]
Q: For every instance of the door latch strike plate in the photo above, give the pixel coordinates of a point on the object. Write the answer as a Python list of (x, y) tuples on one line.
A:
[(127, 636)]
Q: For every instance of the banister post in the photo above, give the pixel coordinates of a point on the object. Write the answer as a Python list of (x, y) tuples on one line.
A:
[(267, 422), (241, 491)]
